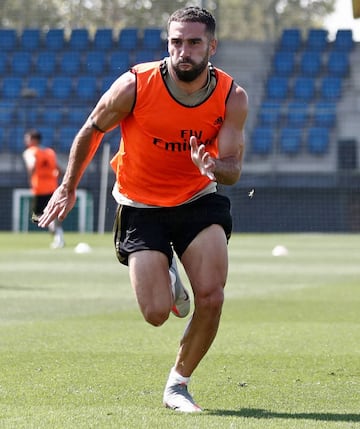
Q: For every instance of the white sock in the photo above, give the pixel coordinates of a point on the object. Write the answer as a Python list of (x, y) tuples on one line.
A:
[(176, 378), (59, 232)]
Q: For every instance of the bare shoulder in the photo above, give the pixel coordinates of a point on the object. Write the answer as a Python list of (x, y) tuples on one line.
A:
[(237, 106), (122, 91), (238, 96), (116, 103)]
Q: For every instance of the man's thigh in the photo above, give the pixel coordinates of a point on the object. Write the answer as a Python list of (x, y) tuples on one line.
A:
[(206, 260)]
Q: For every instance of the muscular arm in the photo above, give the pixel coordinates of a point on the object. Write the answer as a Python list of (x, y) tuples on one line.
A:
[(112, 107), (231, 142), (226, 169)]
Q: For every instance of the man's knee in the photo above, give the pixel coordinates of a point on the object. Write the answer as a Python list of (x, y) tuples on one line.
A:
[(154, 316), (211, 301)]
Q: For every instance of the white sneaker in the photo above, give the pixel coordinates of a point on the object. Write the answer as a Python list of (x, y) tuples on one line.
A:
[(177, 397), (181, 305), (57, 243)]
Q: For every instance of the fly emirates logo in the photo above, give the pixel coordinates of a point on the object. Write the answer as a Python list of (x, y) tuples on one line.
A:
[(183, 143)]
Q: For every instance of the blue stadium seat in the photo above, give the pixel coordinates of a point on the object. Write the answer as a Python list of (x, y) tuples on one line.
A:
[(70, 63), (277, 88), (106, 82), (8, 39), (12, 87), (55, 39), (290, 40), (61, 87), (262, 140), (128, 39), (317, 39), (119, 62), (325, 114), (270, 113), (343, 40), (16, 139), (38, 84), (30, 39), (95, 62), (304, 88), (21, 63), (290, 140), (86, 88), (318, 140), (103, 39), (310, 63), (331, 88), (7, 112), (144, 56), (79, 39), (3, 63), (46, 63), (338, 63), (53, 116), (152, 39), (66, 137), (297, 114), (284, 63), (28, 115), (77, 115), (48, 135)]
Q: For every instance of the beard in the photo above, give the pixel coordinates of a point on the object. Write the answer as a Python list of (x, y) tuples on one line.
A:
[(192, 74)]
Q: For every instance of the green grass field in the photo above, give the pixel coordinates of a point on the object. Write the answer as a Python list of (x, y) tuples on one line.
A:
[(75, 352)]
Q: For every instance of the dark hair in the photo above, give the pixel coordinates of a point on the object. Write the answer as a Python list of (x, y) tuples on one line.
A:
[(34, 134), (194, 14)]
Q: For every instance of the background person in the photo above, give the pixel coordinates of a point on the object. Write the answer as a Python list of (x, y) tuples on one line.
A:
[(182, 123), (43, 172)]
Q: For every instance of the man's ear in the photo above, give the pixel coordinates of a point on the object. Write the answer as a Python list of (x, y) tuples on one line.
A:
[(213, 46)]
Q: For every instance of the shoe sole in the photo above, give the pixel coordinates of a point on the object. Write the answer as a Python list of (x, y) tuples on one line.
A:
[(196, 409)]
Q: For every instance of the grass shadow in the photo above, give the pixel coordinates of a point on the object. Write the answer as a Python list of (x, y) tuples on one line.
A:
[(265, 414)]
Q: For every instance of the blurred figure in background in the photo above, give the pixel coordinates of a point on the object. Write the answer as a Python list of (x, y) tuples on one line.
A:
[(43, 172)]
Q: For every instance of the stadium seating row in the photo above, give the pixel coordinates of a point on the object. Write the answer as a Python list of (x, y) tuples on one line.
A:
[(291, 140), (303, 88), (71, 63), (316, 40), (104, 38), (83, 88), (310, 63), (51, 115), (297, 113)]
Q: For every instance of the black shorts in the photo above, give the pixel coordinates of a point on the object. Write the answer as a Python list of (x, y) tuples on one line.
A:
[(161, 228), (39, 202)]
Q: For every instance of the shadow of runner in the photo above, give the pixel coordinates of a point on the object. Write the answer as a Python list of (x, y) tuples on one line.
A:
[(256, 413)]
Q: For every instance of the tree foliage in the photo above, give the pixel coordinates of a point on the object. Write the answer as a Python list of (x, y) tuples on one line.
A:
[(237, 19)]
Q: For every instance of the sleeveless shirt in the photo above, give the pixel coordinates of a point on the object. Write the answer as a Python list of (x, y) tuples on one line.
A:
[(44, 179), (155, 165)]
